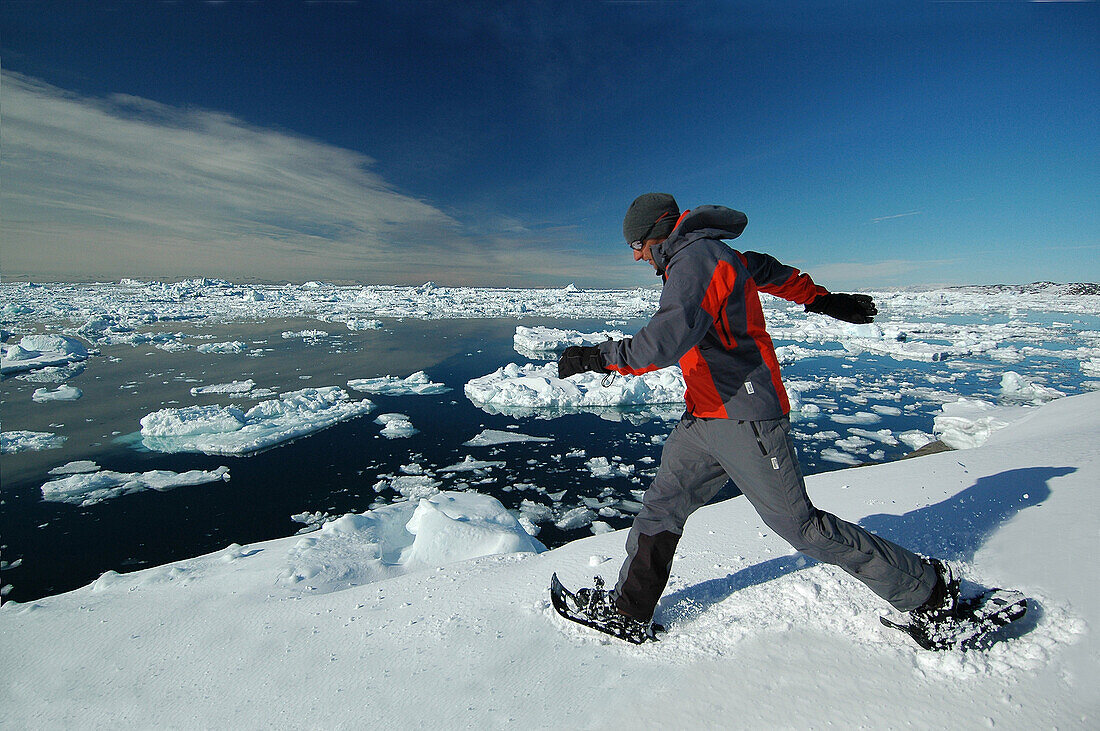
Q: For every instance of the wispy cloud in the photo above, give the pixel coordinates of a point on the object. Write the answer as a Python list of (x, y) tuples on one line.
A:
[(121, 186)]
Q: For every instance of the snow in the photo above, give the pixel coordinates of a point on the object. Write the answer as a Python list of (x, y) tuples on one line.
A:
[(418, 384), (88, 488), (398, 539), (75, 467), (432, 635), (228, 430), (61, 393)]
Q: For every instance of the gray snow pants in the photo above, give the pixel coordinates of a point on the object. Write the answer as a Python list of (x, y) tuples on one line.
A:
[(698, 458)]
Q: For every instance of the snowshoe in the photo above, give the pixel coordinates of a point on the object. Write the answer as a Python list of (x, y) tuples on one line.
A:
[(595, 608), (946, 622)]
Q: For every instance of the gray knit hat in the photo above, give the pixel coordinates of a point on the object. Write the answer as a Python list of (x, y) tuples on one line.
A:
[(652, 215)]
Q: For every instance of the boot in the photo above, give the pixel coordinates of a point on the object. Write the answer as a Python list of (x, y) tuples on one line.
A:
[(939, 614)]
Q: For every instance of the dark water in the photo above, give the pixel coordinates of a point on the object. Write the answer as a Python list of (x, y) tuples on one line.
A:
[(63, 547)]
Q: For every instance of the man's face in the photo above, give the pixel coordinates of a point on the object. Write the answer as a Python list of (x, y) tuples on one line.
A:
[(646, 252)]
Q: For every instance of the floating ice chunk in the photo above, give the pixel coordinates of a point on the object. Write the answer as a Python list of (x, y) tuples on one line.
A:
[(405, 537), (490, 437), (356, 323), (575, 518), (12, 442), (229, 430), (75, 467), (412, 487), (232, 347), (968, 422), (233, 388), (469, 464), (882, 435), (602, 469), (829, 454), (545, 342), (915, 439), (307, 334), (418, 384), (860, 417), (396, 426), (93, 487), (39, 351), (886, 410), (1018, 388), (61, 393), (538, 386), (1091, 366)]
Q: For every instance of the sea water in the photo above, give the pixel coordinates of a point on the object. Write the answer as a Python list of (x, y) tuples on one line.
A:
[(588, 475)]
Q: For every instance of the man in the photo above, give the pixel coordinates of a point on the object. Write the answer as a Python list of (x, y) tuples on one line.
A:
[(736, 424)]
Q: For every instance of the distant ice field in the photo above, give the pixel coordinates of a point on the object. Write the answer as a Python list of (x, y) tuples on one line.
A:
[(437, 380)]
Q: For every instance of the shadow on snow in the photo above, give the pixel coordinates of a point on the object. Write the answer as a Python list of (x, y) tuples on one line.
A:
[(953, 529)]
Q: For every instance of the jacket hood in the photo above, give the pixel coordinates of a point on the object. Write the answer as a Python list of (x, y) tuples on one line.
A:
[(703, 222)]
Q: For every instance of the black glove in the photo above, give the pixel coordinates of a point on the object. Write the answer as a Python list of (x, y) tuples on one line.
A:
[(580, 358), (856, 308)]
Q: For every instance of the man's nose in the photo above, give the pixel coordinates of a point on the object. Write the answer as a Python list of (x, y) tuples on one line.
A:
[(637, 255)]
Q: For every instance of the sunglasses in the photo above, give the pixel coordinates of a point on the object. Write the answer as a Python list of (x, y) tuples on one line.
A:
[(639, 244)]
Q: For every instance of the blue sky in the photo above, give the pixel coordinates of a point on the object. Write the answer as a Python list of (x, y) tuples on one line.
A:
[(870, 143)]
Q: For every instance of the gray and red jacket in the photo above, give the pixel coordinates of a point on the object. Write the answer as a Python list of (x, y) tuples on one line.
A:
[(710, 321)]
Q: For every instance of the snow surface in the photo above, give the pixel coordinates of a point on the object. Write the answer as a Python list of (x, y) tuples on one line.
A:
[(229, 430), (345, 629)]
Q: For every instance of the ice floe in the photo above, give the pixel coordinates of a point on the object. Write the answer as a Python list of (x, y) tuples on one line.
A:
[(231, 347), (61, 393), (493, 437), (538, 386), (418, 384), (38, 351), (89, 488), (229, 430), (396, 426), (234, 388), (12, 442), (545, 343)]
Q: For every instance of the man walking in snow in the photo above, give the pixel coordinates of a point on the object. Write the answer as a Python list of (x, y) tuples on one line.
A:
[(736, 423)]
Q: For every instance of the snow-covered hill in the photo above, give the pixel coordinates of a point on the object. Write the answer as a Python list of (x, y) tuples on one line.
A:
[(759, 637)]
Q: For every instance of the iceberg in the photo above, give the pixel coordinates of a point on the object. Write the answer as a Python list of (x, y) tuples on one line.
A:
[(12, 442), (61, 393)]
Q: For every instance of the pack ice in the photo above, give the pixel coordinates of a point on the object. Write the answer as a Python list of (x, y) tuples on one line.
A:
[(229, 430)]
